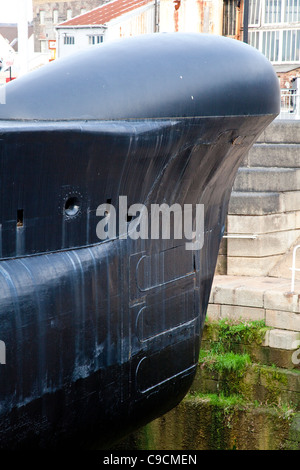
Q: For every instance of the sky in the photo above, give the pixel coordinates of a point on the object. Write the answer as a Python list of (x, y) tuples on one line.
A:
[(9, 10)]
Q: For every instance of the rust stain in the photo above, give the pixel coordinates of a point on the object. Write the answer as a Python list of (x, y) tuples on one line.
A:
[(238, 21), (177, 4), (200, 4), (176, 14)]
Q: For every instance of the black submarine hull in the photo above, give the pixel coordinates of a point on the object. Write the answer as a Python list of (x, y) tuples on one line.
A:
[(102, 336)]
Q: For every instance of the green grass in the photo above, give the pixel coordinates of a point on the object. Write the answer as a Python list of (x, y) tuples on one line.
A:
[(228, 361), (220, 400), (224, 333)]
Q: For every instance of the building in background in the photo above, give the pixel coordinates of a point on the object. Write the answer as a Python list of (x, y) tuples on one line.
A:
[(121, 18), (47, 15), (273, 25), (191, 16), (62, 27), (274, 29), (112, 20)]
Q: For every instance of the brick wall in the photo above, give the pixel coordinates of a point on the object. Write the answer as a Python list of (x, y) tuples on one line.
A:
[(287, 77)]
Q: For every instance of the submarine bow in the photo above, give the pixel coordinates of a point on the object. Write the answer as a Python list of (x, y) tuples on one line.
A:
[(102, 335)]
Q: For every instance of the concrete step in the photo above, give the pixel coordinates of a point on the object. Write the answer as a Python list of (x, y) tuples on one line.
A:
[(263, 224), (281, 131), (262, 264), (282, 269), (269, 179), (262, 203), (257, 298), (273, 155), (256, 245), (251, 266)]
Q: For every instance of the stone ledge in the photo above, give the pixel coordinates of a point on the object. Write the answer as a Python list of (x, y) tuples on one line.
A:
[(281, 131), (274, 155), (251, 291), (263, 245), (256, 298), (262, 203), (263, 224), (239, 266), (269, 178), (283, 339)]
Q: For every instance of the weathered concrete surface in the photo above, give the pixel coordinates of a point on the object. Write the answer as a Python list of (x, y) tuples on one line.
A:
[(263, 222), (269, 179), (256, 298), (281, 131), (273, 155), (263, 203), (265, 416), (196, 424)]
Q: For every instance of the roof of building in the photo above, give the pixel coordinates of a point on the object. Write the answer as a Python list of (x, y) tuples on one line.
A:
[(284, 68), (105, 13)]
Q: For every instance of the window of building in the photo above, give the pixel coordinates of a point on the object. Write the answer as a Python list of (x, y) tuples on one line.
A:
[(229, 17), (254, 39), (42, 17), (278, 46), (291, 45), (267, 12), (292, 11), (55, 16), (44, 46), (270, 45), (69, 40), (272, 11), (95, 39), (254, 12), (274, 29)]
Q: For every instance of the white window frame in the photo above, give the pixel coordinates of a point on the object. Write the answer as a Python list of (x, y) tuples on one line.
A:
[(297, 20), (69, 40), (95, 39), (282, 19), (42, 16), (55, 16), (278, 19), (257, 33), (281, 52), (257, 9), (44, 46)]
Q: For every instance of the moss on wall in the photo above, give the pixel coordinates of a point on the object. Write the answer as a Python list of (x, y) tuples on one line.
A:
[(234, 403)]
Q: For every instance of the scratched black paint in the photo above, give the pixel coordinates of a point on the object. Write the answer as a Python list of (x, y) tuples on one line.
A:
[(102, 337)]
